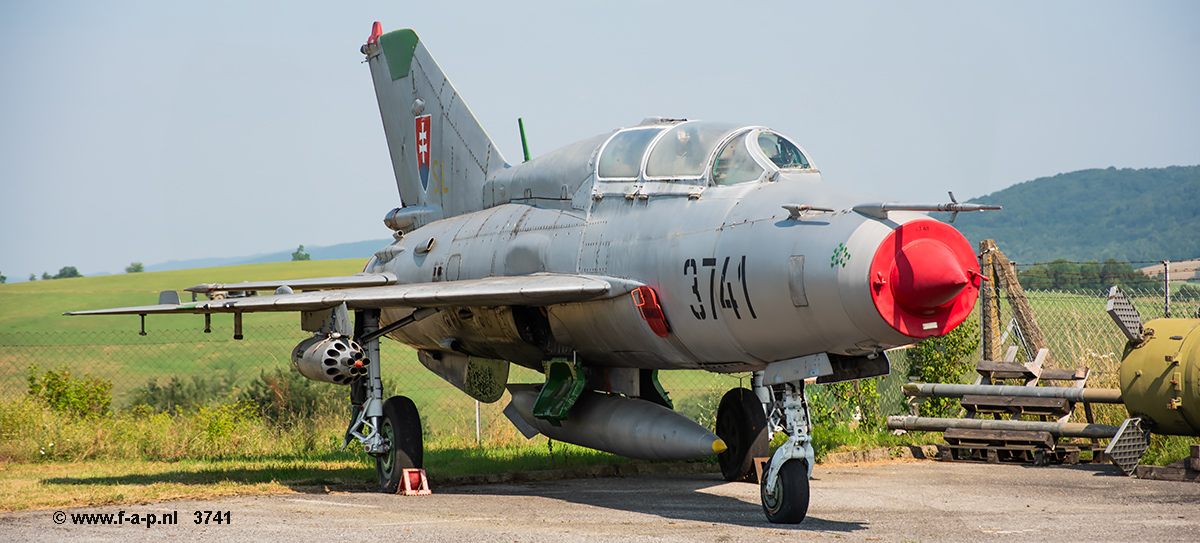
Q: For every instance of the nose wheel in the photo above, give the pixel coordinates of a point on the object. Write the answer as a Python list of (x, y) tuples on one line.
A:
[(786, 502), (784, 486), (401, 429)]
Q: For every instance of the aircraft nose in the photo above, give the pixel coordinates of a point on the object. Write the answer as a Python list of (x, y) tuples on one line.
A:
[(924, 278)]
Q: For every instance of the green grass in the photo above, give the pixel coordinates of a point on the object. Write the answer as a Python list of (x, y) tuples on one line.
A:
[(37, 306), (843, 437), (33, 331), (49, 459)]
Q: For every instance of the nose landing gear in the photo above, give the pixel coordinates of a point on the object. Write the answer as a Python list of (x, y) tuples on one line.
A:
[(784, 486), (746, 429)]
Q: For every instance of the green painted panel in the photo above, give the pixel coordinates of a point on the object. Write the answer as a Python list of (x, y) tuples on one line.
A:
[(398, 47)]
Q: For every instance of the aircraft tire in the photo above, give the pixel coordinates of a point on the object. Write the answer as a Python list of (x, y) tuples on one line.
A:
[(401, 425), (742, 425), (790, 503)]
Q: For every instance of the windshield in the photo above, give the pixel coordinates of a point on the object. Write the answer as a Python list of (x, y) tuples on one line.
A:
[(735, 164), (781, 152)]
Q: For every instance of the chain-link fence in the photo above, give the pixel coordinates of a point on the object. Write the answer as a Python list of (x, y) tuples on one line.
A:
[(1075, 325), (1079, 331)]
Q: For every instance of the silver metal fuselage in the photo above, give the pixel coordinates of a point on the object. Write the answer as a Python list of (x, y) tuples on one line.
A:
[(741, 281)]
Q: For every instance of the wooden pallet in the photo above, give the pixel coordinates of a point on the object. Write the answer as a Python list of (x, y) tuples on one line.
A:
[(994, 446), (1016, 406)]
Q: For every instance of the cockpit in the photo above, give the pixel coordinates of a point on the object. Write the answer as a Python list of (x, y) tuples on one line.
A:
[(697, 153)]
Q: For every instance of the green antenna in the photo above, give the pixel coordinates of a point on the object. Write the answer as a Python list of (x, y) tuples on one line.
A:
[(524, 144)]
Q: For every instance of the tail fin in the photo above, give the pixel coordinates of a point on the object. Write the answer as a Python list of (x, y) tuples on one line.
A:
[(440, 153)]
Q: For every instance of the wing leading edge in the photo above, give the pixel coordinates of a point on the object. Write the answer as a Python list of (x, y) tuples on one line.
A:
[(528, 290)]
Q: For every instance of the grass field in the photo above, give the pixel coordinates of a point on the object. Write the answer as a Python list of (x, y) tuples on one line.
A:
[(37, 306), (33, 331)]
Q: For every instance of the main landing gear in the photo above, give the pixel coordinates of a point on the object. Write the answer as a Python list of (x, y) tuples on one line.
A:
[(401, 428), (742, 425), (390, 431), (746, 430)]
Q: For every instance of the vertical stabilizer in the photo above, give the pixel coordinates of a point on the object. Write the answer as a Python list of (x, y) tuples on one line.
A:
[(440, 154)]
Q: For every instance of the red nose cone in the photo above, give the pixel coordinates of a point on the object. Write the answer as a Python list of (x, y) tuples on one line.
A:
[(923, 278), (927, 276)]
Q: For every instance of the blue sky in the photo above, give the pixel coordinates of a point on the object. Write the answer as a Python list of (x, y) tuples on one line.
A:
[(163, 130)]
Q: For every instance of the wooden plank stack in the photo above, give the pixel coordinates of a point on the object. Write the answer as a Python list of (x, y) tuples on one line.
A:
[(1039, 448)]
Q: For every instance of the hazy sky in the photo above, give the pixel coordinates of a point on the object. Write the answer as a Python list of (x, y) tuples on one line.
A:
[(171, 130)]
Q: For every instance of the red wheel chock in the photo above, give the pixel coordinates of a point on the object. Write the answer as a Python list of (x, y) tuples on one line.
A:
[(415, 482)]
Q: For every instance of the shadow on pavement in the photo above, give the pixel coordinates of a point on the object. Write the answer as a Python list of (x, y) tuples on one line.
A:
[(673, 497)]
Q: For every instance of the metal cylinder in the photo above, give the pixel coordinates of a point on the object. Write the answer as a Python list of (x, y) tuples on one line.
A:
[(1057, 429), (943, 390), (1160, 377), (624, 426)]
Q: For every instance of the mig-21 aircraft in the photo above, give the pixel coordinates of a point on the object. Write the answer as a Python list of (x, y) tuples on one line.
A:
[(671, 244)]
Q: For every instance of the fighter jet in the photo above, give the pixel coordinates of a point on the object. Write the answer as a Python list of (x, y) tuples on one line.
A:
[(669, 244)]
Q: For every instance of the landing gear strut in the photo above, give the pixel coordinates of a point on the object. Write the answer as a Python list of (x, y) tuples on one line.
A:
[(784, 485), (390, 431)]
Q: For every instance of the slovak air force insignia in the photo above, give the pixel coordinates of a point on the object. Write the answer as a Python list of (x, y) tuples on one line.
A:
[(422, 129)]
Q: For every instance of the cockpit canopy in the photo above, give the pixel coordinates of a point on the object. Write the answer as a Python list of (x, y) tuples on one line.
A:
[(697, 153)]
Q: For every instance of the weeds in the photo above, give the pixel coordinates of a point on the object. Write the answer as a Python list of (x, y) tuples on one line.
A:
[(945, 359), (701, 407), (181, 394), (286, 397), (78, 398), (843, 437), (32, 432)]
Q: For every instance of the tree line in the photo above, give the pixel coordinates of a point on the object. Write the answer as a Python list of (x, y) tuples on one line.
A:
[(1093, 276), (70, 271)]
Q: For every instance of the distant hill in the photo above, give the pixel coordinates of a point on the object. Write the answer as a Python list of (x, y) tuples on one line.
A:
[(358, 249), (1128, 215)]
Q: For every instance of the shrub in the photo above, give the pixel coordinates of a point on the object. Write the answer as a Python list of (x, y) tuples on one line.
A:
[(944, 359), (285, 397), (701, 407), (857, 400), (182, 394), (79, 398)]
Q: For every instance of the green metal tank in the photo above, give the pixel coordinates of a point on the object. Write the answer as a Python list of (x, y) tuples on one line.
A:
[(1160, 377)]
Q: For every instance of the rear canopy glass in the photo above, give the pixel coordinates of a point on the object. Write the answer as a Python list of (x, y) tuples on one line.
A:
[(622, 156), (683, 152)]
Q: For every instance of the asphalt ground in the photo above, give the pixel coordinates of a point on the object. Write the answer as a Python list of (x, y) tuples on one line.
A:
[(878, 501)]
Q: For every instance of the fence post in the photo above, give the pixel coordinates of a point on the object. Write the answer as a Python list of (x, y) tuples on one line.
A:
[(1167, 289), (990, 302), (1027, 323)]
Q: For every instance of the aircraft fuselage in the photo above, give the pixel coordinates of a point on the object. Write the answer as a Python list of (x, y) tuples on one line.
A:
[(741, 280)]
